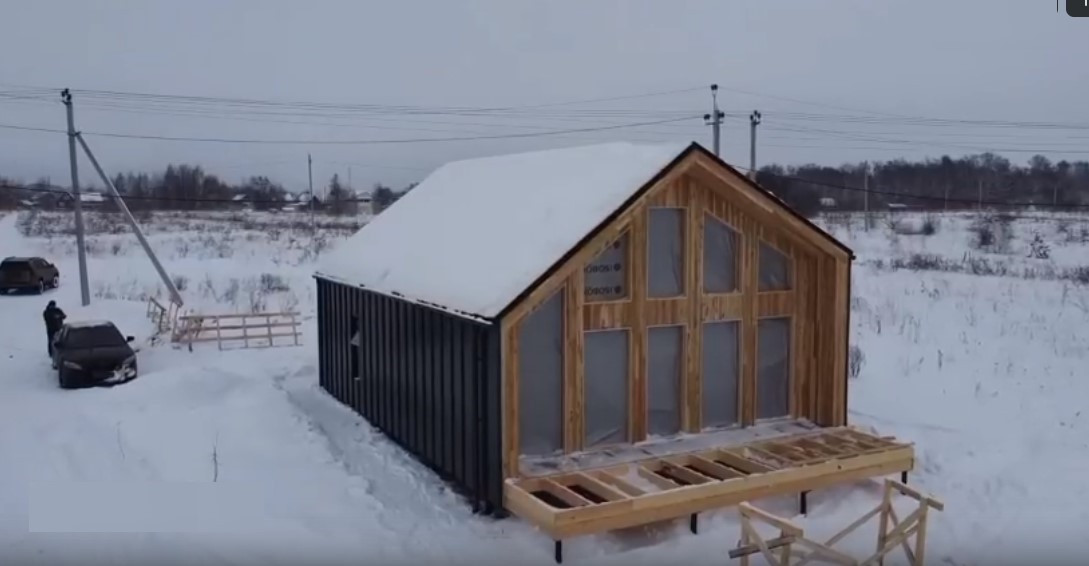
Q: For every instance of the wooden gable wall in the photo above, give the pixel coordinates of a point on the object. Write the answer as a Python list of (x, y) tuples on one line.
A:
[(817, 303)]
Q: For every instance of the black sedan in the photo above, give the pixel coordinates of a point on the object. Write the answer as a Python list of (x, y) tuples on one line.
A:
[(93, 353)]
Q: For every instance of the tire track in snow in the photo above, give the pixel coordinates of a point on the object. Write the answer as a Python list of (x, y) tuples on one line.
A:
[(412, 503)]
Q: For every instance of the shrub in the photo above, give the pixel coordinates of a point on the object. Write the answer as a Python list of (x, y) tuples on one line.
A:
[(1038, 248), (992, 232), (855, 361), (271, 283)]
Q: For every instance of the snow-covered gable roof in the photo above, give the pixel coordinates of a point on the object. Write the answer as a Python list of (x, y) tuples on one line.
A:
[(477, 233)]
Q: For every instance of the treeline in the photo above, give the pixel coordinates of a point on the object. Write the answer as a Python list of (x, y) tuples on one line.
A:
[(189, 187), (931, 184)]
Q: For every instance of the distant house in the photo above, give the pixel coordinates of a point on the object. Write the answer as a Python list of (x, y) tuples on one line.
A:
[(828, 202), (88, 200), (241, 202)]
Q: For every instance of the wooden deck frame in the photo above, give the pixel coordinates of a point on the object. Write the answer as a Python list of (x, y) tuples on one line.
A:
[(816, 304), (602, 499), (791, 535)]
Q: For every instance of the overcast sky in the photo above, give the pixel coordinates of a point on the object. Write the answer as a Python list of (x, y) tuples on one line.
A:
[(836, 80)]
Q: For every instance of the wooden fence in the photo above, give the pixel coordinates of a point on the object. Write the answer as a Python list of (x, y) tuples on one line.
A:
[(255, 330)]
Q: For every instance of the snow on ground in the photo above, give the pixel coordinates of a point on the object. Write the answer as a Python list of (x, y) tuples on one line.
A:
[(238, 457)]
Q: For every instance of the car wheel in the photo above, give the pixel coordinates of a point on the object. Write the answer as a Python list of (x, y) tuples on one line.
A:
[(41, 286), (61, 380), (55, 282)]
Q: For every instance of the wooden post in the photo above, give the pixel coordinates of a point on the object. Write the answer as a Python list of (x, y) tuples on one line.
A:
[(219, 335), (883, 524)]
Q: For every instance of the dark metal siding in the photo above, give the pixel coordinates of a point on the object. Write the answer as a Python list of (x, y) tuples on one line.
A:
[(429, 380)]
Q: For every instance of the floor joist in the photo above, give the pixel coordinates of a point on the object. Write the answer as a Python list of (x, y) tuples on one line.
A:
[(668, 487)]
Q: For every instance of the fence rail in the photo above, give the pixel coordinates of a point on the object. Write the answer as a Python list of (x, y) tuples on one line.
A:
[(254, 330)]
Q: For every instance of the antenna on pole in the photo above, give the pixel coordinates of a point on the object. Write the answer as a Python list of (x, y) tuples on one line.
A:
[(754, 120), (714, 119), (81, 252)]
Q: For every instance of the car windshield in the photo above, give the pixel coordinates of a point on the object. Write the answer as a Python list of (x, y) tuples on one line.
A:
[(94, 337)]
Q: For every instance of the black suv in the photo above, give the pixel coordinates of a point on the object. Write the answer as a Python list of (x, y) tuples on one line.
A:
[(28, 274), (93, 353)]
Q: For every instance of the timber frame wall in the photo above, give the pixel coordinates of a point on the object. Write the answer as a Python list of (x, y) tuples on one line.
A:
[(817, 304)]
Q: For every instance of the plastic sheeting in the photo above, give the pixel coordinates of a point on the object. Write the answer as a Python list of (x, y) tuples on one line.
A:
[(719, 256), (774, 269), (665, 245), (605, 397), (720, 369), (773, 368), (540, 379), (665, 363), (607, 276)]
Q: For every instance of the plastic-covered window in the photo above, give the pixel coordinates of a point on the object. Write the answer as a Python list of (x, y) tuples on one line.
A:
[(606, 278), (719, 256), (665, 364), (774, 269), (605, 397), (720, 370), (773, 368), (540, 379), (665, 247)]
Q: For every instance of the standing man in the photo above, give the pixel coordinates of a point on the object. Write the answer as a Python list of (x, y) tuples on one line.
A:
[(54, 320)]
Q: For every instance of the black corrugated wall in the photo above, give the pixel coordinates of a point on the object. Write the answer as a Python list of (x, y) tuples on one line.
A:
[(428, 379)]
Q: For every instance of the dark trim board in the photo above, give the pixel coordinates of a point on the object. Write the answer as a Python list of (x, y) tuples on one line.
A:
[(428, 379)]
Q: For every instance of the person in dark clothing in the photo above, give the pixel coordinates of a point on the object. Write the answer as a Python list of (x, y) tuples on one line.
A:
[(54, 320)]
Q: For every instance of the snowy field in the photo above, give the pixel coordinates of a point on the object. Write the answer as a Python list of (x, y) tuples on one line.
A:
[(975, 353)]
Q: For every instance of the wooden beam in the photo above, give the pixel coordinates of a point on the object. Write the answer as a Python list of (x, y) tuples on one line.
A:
[(666, 312), (692, 408), (715, 469), (574, 380), (566, 495), (773, 520), (646, 472), (607, 315), (735, 460), (749, 278), (617, 482), (603, 489), (637, 362), (717, 307)]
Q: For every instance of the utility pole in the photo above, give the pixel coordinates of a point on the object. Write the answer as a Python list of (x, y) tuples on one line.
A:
[(714, 119), (754, 120), (174, 295), (866, 196), (81, 252), (310, 175)]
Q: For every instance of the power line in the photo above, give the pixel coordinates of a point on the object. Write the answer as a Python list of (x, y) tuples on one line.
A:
[(360, 142)]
